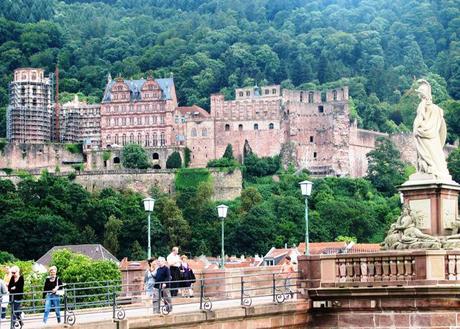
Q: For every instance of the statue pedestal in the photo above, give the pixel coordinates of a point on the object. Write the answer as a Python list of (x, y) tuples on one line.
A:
[(435, 202)]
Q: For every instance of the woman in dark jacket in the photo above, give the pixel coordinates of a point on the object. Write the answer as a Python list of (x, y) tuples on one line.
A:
[(16, 289), (187, 277)]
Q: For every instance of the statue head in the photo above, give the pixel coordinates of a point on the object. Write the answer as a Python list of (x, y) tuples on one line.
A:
[(424, 89)]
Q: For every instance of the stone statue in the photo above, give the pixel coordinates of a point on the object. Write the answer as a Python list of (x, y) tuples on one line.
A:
[(405, 235), (430, 134)]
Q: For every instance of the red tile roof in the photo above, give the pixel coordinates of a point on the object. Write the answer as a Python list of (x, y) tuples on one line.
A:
[(193, 110)]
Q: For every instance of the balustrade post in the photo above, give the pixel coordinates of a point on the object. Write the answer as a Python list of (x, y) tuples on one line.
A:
[(385, 268), (370, 269), (457, 267), (378, 269), (363, 269)]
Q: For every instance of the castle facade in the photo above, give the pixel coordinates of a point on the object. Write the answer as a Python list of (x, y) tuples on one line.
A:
[(309, 128)]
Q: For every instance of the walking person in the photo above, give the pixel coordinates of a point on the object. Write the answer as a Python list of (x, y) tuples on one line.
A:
[(174, 263), (287, 269), (149, 277), (4, 298), (187, 277), (51, 293), (16, 290), (162, 284)]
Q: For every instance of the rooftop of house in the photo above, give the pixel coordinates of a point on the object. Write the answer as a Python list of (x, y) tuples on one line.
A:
[(135, 87), (93, 251), (193, 111)]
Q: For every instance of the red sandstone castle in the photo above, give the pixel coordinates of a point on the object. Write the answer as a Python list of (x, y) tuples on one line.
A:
[(311, 129)]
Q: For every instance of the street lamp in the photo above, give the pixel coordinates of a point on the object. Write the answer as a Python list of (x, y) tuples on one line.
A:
[(222, 212), (305, 187), (149, 203)]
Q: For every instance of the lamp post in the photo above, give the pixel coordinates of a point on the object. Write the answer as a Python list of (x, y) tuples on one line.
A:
[(305, 188), (149, 203), (222, 212)]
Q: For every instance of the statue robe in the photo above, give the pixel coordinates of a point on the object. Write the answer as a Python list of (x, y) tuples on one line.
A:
[(430, 134)]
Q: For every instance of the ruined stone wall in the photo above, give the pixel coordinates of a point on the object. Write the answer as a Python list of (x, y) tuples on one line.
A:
[(226, 186), (37, 157), (361, 142), (200, 140)]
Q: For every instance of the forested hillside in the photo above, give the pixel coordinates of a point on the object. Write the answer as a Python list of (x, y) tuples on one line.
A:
[(376, 46)]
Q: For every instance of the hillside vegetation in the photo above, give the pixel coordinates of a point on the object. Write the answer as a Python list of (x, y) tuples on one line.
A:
[(377, 47)]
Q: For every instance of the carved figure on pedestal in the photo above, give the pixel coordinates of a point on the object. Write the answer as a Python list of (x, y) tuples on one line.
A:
[(453, 241), (405, 235), (430, 135)]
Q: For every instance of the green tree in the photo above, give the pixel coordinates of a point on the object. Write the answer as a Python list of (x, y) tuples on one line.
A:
[(228, 154), (385, 169), (112, 231), (174, 161), (135, 156), (137, 253), (453, 164)]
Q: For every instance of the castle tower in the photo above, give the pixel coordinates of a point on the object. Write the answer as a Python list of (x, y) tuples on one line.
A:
[(29, 113)]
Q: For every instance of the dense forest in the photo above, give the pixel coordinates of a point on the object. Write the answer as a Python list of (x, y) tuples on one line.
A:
[(377, 47)]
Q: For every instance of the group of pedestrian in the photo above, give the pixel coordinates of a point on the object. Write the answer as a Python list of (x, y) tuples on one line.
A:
[(12, 292), (169, 277)]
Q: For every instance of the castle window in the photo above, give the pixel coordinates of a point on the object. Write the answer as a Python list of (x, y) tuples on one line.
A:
[(23, 91), (204, 132), (131, 138), (154, 118), (162, 119), (34, 91), (310, 97), (139, 121), (334, 94), (23, 102), (248, 93), (274, 91), (162, 139), (107, 121), (267, 91), (123, 121), (34, 102), (139, 139), (123, 140), (146, 120), (147, 139), (116, 160), (227, 127), (256, 126), (315, 155), (311, 139), (34, 76), (321, 109), (241, 94), (116, 139), (240, 127), (193, 132), (271, 126), (155, 156), (108, 138), (116, 121), (154, 140)]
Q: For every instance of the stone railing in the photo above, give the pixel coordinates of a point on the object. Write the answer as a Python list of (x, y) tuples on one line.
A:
[(383, 268)]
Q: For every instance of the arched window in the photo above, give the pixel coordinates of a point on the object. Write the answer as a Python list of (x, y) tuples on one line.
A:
[(227, 127), (116, 160), (256, 126), (240, 127), (155, 140), (123, 139), (131, 138), (139, 139), (116, 139), (156, 166), (147, 139), (271, 126), (155, 156), (162, 139), (193, 132), (204, 132)]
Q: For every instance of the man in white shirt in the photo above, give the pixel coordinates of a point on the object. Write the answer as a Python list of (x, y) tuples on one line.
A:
[(174, 263)]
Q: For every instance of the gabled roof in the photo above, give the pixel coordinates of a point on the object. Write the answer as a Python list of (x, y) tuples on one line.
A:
[(93, 251), (193, 111), (135, 87)]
